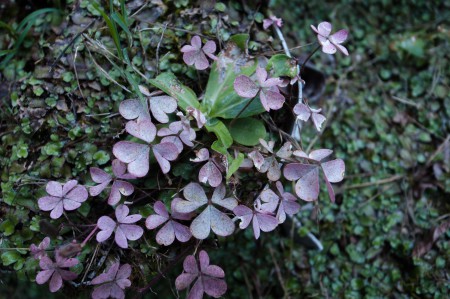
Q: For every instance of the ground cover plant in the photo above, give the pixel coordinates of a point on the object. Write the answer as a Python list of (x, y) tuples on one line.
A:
[(144, 139)]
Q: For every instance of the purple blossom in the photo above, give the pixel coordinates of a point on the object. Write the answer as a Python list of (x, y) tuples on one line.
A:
[(178, 132), (172, 229), (272, 20), (210, 218), (288, 204), (55, 272), (304, 112), (269, 94), (307, 175), (194, 54), (211, 171), (261, 221), (330, 42), (39, 252), (118, 187), (67, 197), (136, 155), (209, 277), (124, 229), (112, 282)]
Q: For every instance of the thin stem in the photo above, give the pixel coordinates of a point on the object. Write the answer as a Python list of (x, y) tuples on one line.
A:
[(242, 110), (307, 59), (89, 236), (15, 248)]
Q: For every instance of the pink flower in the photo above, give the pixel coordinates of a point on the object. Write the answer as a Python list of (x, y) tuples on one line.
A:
[(39, 252), (272, 20), (67, 197), (209, 278), (124, 229), (118, 187), (113, 282), (194, 54), (269, 94), (330, 42), (211, 171), (55, 271)]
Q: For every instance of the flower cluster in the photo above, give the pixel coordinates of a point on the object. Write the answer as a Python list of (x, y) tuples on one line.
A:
[(165, 129)]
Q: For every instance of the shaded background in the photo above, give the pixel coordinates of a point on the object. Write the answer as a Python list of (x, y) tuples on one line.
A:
[(388, 110)]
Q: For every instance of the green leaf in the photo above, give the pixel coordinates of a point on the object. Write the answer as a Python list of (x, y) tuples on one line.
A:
[(223, 135), (247, 131), (219, 147), (220, 98), (10, 257), (7, 227), (112, 28), (282, 65), (241, 40), (168, 83), (234, 165)]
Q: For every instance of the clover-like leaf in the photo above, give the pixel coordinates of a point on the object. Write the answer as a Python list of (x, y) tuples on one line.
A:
[(67, 197), (261, 221), (330, 42), (194, 54), (55, 271), (209, 278), (112, 282), (304, 112)]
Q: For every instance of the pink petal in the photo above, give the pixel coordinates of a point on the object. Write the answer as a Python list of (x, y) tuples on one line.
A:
[(210, 173), (201, 63), (48, 203), (67, 275), (307, 187), (339, 37), (285, 151), (255, 226), (324, 29), (320, 154), (245, 87), (43, 276), (202, 155), (328, 47), (270, 200), (57, 210), (303, 112), (110, 275), (245, 214), (69, 186), (124, 272), (197, 290), (214, 271), (96, 190), (144, 130), (166, 235), (271, 82), (330, 190), (153, 221), (342, 49), (214, 287), (318, 120), (120, 238), (188, 48), (133, 109), (54, 188), (209, 47), (201, 225), (117, 188), (195, 198), (267, 23), (103, 291), (98, 175), (56, 282), (257, 158), (78, 193), (190, 265), (70, 205), (196, 42), (160, 209), (189, 57), (182, 232), (261, 75), (184, 280), (175, 140), (266, 222), (137, 155), (314, 29), (162, 105), (271, 100), (132, 232), (119, 168), (165, 152), (121, 212), (334, 170), (221, 224), (106, 223)]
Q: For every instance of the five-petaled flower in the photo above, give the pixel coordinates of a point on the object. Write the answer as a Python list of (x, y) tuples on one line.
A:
[(330, 42), (55, 271), (124, 228), (112, 282), (195, 55), (67, 197)]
